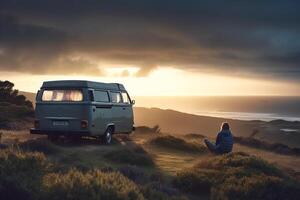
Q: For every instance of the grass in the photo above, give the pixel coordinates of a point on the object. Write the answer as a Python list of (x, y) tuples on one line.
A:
[(92, 185), (175, 143), (39, 169), (30, 176), (145, 129), (132, 156), (237, 176), (21, 174), (274, 147), (40, 145), (12, 116)]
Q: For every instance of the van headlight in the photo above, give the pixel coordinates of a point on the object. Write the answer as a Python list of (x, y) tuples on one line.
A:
[(84, 123)]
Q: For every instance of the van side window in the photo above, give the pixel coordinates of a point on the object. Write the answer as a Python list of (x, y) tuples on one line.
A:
[(115, 97), (125, 98), (101, 96)]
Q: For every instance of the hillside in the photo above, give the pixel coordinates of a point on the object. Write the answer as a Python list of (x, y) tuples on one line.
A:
[(145, 165), (182, 123)]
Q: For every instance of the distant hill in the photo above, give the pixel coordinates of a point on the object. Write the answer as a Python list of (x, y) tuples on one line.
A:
[(183, 123), (179, 123)]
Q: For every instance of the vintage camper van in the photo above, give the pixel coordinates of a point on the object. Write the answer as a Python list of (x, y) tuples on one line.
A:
[(83, 108)]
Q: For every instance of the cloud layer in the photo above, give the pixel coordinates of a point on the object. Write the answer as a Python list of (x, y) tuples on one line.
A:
[(249, 38)]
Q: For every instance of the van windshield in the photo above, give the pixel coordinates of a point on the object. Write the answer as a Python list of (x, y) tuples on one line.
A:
[(62, 95)]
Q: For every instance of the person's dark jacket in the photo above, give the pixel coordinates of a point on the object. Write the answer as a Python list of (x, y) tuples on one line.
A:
[(224, 142)]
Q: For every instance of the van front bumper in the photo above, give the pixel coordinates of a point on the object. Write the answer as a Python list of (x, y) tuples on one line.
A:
[(58, 132)]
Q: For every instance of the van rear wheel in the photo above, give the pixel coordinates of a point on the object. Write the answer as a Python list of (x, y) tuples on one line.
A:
[(107, 137)]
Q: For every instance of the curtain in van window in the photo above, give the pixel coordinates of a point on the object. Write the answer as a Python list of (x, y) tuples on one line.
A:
[(116, 97), (125, 98), (62, 95)]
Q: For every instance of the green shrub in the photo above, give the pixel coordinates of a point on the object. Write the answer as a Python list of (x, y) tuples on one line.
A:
[(90, 185), (237, 176), (137, 156), (13, 115), (21, 174), (275, 147), (41, 145), (146, 129), (246, 162), (153, 193), (195, 180), (168, 141), (259, 187)]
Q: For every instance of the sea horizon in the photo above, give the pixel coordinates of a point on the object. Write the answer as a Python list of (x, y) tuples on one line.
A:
[(264, 108)]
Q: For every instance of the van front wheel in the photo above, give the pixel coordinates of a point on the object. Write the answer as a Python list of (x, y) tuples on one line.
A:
[(107, 137)]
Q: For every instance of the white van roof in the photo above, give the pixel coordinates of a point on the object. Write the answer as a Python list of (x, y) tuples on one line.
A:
[(82, 84)]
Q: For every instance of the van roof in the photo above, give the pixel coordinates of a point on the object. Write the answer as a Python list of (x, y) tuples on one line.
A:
[(82, 84)]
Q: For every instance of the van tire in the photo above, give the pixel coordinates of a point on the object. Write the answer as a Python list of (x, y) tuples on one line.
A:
[(107, 137)]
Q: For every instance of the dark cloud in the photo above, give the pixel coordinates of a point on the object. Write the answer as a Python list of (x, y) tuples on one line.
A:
[(250, 38)]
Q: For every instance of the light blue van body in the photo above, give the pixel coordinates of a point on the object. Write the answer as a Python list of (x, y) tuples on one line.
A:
[(73, 107)]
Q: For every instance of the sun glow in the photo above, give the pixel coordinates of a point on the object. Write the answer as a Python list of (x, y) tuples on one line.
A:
[(166, 81)]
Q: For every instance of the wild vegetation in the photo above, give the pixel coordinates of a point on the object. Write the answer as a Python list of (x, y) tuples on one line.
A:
[(132, 156), (256, 143), (10, 95), (275, 147), (176, 143), (30, 175), (14, 108), (237, 176)]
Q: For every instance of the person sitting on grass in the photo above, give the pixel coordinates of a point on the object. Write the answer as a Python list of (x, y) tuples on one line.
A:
[(224, 141)]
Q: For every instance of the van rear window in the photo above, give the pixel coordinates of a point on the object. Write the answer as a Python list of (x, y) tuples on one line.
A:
[(62, 95)]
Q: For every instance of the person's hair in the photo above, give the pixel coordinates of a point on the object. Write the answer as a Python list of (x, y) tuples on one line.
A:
[(225, 126)]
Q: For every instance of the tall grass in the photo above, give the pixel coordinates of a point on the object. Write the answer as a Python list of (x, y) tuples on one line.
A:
[(92, 185), (238, 176), (175, 143), (132, 156), (29, 176), (21, 174)]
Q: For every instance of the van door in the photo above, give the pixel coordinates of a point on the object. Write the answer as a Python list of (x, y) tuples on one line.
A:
[(117, 112), (127, 112), (101, 111)]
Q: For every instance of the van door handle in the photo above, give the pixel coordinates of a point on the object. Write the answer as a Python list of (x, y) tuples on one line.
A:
[(124, 108)]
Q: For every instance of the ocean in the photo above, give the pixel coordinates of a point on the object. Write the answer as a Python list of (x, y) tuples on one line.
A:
[(265, 108)]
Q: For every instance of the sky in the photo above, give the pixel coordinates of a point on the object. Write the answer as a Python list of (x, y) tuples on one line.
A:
[(155, 47)]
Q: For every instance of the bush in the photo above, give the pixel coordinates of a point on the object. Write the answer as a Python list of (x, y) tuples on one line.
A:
[(137, 156), (241, 162), (133, 173), (275, 147), (195, 180), (237, 176), (41, 145), (21, 174), (259, 187), (156, 191), (8, 94), (168, 141), (14, 116), (146, 129), (91, 185)]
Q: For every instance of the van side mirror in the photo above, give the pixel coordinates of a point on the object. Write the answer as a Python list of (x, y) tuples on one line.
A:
[(133, 102)]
